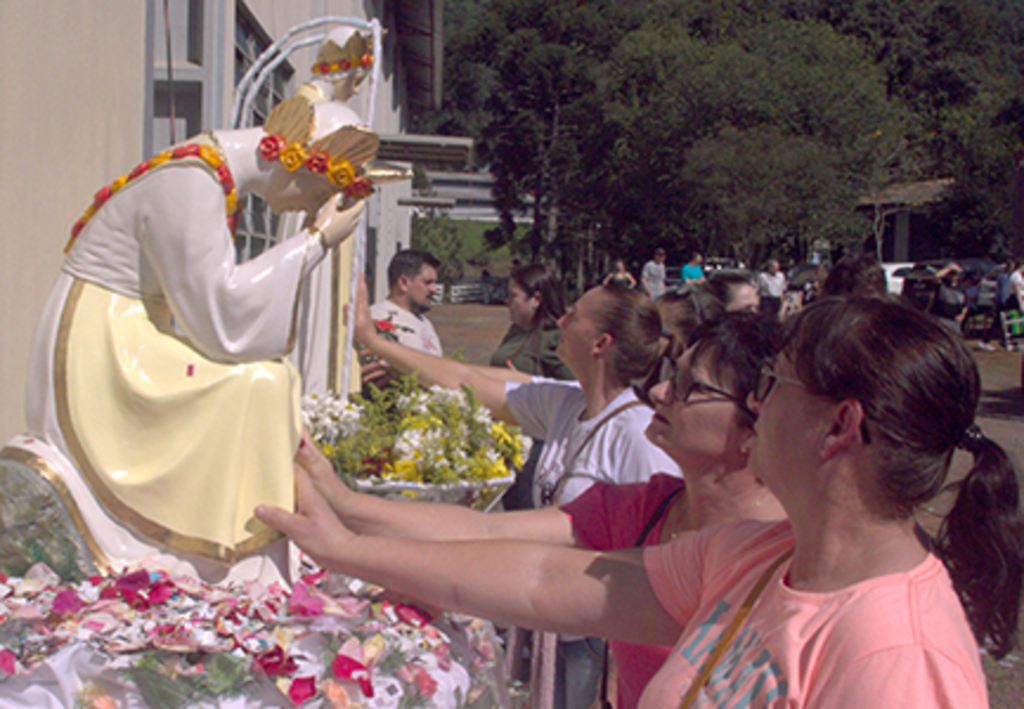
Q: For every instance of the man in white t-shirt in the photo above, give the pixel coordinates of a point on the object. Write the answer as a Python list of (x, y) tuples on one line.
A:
[(771, 286), (412, 286), (652, 277)]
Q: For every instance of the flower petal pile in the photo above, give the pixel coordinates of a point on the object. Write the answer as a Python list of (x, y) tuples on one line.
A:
[(330, 641)]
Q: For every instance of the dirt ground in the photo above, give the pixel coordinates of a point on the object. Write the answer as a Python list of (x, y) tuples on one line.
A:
[(473, 331)]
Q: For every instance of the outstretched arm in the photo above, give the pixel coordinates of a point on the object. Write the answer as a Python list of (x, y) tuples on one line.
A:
[(532, 585), (487, 383), (372, 515)]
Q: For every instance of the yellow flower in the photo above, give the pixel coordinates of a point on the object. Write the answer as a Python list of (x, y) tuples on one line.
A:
[(403, 470), (159, 159), (340, 172), (231, 202), (209, 156), (293, 156), (501, 434), (118, 183)]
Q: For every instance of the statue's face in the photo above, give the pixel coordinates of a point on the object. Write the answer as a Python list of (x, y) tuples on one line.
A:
[(300, 190)]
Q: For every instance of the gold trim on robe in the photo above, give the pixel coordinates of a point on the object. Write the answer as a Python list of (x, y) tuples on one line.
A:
[(175, 446)]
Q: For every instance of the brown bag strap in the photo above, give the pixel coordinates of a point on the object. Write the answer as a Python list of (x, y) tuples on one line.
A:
[(730, 632), (567, 472)]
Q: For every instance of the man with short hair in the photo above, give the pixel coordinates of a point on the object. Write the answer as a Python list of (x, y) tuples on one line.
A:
[(692, 273), (771, 286), (652, 277), (412, 285)]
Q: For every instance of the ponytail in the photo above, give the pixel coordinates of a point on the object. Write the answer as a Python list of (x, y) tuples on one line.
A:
[(981, 542)]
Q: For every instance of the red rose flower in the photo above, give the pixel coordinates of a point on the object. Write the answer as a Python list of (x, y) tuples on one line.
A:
[(226, 180), (345, 65), (317, 162), (365, 60), (384, 325), (140, 169), (271, 146), (359, 187), (102, 195), (186, 151)]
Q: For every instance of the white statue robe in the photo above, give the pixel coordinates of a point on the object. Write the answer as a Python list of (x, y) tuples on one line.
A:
[(158, 389)]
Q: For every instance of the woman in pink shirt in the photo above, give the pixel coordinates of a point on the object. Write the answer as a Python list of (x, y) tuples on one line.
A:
[(848, 604)]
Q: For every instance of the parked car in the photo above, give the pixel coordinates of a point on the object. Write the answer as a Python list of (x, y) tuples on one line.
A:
[(895, 272)]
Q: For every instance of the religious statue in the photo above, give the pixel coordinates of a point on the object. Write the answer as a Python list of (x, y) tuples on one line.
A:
[(161, 407)]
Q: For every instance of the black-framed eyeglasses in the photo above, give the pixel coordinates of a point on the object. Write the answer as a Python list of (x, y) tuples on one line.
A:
[(766, 379), (682, 385)]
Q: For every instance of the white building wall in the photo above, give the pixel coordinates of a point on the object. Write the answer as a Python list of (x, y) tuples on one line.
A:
[(73, 108)]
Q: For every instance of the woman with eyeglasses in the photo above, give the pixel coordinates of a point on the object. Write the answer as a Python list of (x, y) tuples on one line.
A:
[(701, 421)]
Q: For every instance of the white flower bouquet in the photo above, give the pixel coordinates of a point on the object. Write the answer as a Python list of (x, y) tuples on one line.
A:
[(431, 444)]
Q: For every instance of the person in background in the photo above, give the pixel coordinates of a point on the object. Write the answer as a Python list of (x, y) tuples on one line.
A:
[(530, 346), (692, 273), (848, 603), (771, 286), (412, 287), (619, 275), (652, 277), (1005, 300), (948, 302), (735, 290), (856, 274)]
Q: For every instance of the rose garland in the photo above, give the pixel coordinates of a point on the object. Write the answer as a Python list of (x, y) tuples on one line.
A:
[(328, 68), (206, 153), (338, 170)]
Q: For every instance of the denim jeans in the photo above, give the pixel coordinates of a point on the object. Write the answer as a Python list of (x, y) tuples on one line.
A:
[(578, 671)]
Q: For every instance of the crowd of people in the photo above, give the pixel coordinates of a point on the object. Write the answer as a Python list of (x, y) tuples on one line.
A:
[(771, 472)]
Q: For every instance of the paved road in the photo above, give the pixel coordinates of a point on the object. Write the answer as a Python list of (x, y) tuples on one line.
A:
[(477, 329)]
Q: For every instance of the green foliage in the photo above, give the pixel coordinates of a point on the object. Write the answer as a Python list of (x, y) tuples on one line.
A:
[(744, 128)]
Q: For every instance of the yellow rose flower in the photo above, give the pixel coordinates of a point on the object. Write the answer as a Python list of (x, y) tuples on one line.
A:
[(293, 156), (159, 159), (209, 156), (340, 172), (231, 202), (118, 183)]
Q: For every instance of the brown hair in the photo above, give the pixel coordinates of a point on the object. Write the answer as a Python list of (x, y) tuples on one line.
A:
[(631, 319), (919, 387)]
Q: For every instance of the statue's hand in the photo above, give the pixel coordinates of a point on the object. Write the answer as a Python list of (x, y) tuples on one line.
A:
[(335, 225)]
